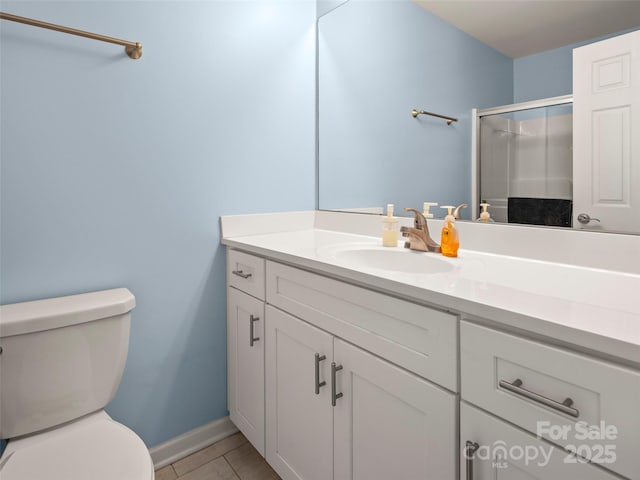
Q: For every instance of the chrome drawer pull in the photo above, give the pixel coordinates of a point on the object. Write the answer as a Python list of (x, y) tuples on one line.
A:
[(469, 451), (240, 273), (319, 384), (564, 407), (252, 339), (334, 396)]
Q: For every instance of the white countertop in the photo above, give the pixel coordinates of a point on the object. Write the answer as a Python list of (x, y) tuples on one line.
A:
[(590, 308)]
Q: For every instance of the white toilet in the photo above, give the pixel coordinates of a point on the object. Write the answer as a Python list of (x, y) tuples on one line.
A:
[(61, 362)]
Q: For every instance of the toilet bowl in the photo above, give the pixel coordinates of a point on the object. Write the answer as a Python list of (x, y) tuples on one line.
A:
[(92, 448), (61, 361)]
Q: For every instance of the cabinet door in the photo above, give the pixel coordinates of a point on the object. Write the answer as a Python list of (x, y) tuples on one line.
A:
[(299, 420), (245, 365), (507, 453), (389, 423)]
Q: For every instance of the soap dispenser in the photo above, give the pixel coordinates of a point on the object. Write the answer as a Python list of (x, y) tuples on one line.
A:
[(449, 241), (485, 216), (390, 228)]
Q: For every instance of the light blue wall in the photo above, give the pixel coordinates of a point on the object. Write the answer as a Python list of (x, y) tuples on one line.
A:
[(114, 172), (325, 6), (378, 61), (547, 74)]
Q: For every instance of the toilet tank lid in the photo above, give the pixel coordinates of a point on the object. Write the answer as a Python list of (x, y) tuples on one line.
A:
[(39, 315)]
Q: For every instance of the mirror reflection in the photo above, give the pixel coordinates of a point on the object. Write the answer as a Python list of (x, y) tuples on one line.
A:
[(379, 60), (525, 162)]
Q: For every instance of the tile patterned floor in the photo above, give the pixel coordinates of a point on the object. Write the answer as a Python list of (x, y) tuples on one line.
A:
[(232, 458)]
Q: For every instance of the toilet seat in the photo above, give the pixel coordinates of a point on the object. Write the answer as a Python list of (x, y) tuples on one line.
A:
[(94, 447)]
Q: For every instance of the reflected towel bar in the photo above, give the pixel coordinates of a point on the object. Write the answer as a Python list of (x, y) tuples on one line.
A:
[(133, 49), (449, 120)]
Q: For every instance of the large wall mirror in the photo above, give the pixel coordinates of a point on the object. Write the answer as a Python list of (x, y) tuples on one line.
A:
[(379, 60)]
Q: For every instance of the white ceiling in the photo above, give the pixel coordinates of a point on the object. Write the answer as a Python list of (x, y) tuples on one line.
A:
[(522, 27)]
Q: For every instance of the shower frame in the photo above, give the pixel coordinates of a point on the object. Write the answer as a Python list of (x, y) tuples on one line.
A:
[(477, 114)]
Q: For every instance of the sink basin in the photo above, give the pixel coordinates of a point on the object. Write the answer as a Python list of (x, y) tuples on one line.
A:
[(391, 259)]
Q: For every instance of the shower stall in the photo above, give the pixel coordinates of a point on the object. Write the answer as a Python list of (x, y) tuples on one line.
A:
[(524, 162)]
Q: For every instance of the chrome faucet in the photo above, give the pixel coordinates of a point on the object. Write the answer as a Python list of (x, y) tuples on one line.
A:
[(418, 236)]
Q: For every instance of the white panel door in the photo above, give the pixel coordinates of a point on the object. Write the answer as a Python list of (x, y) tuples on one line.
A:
[(606, 143), (299, 420), (389, 423), (245, 365), (507, 453)]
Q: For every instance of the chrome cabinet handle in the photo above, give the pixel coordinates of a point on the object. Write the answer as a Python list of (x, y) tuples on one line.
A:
[(252, 339), (240, 273), (584, 218), (318, 383), (334, 396), (517, 388), (469, 451)]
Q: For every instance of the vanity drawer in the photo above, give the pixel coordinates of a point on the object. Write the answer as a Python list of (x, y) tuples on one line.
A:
[(506, 452), (526, 383), (417, 338), (246, 273)]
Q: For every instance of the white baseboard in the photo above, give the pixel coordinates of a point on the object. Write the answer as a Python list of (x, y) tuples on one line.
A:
[(187, 443)]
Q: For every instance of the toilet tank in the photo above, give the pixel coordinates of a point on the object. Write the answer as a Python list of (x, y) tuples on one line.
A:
[(61, 358)]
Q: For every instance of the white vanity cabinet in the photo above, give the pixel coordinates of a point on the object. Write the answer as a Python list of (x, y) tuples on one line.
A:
[(333, 381), (337, 411), (245, 345), (577, 402), (425, 362)]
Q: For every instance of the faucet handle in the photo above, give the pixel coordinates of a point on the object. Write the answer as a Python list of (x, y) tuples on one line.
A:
[(425, 209)]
